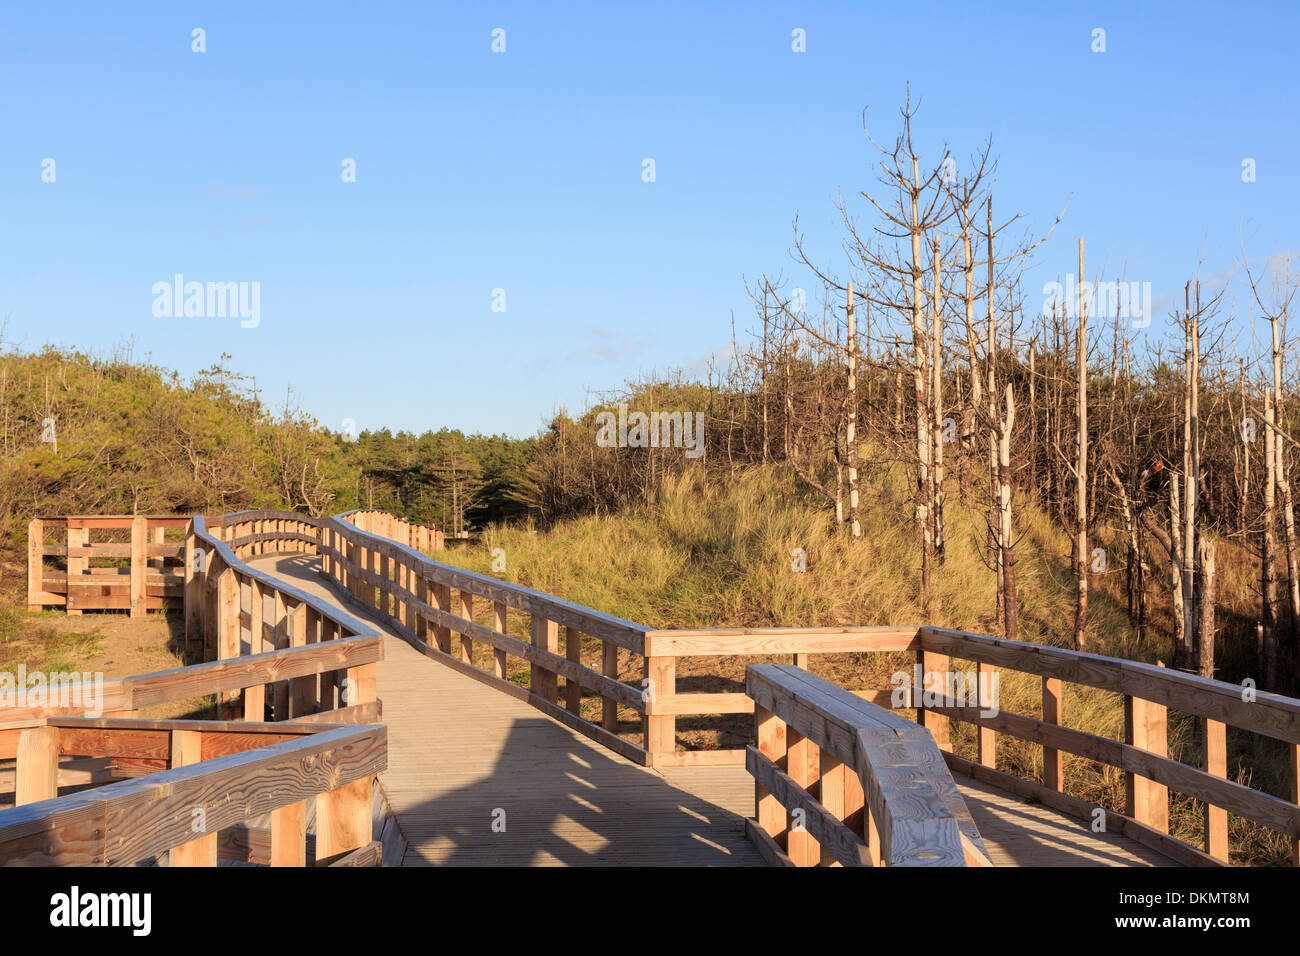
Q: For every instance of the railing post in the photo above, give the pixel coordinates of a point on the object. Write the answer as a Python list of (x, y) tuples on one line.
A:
[(541, 681), (78, 538), (255, 696), (343, 820), (187, 749), (573, 652), (609, 667), (467, 613), (139, 554), (227, 627), (987, 738), (1294, 777), (440, 595), (1145, 727), (1051, 715), (35, 564), (1215, 734), (832, 795), (289, 835), (660, 729), (37, 773), (499, 625), (803, 766), (303, 625), (361, 684), (768, 811), (280, 689), (934, 677), (193, 591)]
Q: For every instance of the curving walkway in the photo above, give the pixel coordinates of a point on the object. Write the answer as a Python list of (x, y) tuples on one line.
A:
[(478, 778)]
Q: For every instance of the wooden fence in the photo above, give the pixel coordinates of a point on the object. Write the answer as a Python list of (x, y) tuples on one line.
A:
[(275, 652), (113, 562), (840, 781)]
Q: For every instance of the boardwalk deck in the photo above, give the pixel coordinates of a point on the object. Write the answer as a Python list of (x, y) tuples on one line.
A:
[(462, 756)]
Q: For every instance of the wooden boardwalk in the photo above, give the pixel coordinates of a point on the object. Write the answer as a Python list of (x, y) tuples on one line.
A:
[(476, 777)]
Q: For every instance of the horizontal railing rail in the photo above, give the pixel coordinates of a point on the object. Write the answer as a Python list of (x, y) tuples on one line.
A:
[(841, 781)]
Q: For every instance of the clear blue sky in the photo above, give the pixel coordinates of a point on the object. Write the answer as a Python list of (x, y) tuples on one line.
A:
[(522, 171)]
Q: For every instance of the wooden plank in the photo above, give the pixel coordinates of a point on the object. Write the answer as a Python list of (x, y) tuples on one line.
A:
[(831, 796), (187, 749), (802, 760), (660, 729), (466, 613), (542, 681), (935, 669), (78, 564), (779, 640), (1052, 773), (36, 566), (139, 541), (38, 765), (770, 731), (609, 668), (151, 814), (573, 651), (289, 835), (369, 855), (1146, 801), (1215, 735), (499, 624), (986, 740), (342, 821), (183, 683)]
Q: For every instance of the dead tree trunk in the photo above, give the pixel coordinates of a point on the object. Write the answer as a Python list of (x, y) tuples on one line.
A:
[(1081, 470), (851, 425)]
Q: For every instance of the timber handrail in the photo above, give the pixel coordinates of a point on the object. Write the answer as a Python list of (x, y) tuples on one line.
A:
[(219, 777), (839, 780), (1148, 692), (220, 585)]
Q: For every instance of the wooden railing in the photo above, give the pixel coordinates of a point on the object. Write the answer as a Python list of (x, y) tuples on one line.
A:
[(237, 611), (1149, 693), (841, 781), (137, 578), (664, 648), (415, 596), (420, 537), (431, 605), (279, 653), (220, 776)]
